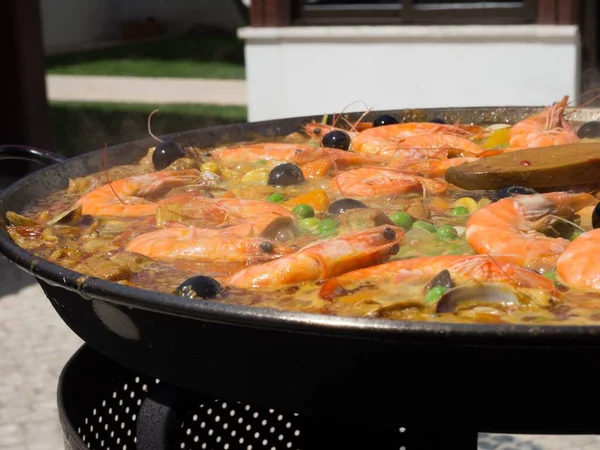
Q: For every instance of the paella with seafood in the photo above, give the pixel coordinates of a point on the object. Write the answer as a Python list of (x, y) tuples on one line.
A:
[(340, 218)]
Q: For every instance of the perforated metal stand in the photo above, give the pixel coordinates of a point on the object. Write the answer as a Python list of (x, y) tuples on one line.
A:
[(103, 405)]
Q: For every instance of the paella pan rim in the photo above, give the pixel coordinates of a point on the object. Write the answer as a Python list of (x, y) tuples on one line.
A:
[(299, 322)]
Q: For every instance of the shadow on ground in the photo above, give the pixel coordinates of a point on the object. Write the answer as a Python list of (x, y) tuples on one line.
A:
[(12, 278)]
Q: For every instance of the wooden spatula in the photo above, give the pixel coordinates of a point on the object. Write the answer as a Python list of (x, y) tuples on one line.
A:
[(542, 167)]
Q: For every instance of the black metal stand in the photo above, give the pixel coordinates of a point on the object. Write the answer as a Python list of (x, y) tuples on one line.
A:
[(105, 405)]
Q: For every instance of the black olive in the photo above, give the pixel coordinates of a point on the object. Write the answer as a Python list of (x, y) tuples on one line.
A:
[(336, 139), (199, 287), (596, 216), (285, 175), (442, 279), (166, 153), (512, 191), (438, 120), (589, 130), (389, 234), (266, 247), (383, 120), (340, 206)]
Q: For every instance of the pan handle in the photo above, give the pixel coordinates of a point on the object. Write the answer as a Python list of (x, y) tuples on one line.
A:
[(28, 153)]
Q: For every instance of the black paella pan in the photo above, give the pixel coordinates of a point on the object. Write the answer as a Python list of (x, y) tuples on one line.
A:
[(503, 377)]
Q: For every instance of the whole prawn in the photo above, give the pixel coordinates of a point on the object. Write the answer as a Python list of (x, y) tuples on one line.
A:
[(578, 265), (125, 197), (198, 245), (373, 181), (510, 229), (324, 259), (386, 138), (546, 128)]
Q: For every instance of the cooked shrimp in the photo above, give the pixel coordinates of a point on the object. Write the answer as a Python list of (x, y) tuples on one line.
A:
[(385, 139), (438, 146), (463, 270), (372, 181), (225, 211), (455, 145), (510, 229), (578, 266), (544, 129), (431, 167), (195, 244), (268, 151), (125, 197), (324, 259)]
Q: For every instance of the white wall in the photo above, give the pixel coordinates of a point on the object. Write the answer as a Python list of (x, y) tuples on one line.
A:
[(312, 70), (72, 23)]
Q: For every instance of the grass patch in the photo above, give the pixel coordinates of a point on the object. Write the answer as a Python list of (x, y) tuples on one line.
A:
[(190, 56), (82, 127)]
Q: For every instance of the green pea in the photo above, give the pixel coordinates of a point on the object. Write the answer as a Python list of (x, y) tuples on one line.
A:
[(551, 275), (459, 211), (434, 294), (327, 225), (276, 198), (261, 161), (574, 235), (402, 219), (424, 225), (309, 224), (303, 211), (446, 233)]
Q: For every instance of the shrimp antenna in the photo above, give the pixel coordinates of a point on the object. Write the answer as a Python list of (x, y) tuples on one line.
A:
[(367, 111), (108, 177), (350, 124), (562, 219), (149, 126), (584, 104), (346, 107)]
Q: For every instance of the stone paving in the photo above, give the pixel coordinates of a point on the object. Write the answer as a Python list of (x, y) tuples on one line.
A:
[(145, 90), (35, 344)]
